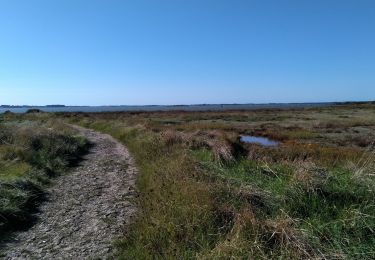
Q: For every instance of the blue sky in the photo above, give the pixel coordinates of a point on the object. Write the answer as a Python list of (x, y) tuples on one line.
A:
[(102, 52)]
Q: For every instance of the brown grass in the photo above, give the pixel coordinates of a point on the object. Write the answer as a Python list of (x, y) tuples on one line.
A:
[(203, 199)]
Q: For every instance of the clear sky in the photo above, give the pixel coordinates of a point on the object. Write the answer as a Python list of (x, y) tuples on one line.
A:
[(102, 52)]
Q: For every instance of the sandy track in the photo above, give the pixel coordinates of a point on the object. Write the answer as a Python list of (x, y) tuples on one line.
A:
[(87, 208)]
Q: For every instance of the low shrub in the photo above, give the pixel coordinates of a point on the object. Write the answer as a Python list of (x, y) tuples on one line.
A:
[(33, 110)]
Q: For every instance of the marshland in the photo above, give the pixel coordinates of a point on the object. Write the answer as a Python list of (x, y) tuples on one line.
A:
[(203, 193), (164, 129)]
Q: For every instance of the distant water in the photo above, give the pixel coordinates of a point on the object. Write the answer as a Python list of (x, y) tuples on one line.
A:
[(164, 108), (258, 140)]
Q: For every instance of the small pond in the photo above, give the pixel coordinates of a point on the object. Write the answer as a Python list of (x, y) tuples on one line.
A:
[(258, 140)]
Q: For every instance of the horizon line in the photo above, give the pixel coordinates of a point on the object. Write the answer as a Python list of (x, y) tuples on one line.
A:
[(196, 104)]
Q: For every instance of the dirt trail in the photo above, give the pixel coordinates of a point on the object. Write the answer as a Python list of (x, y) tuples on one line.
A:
[(87, 209)]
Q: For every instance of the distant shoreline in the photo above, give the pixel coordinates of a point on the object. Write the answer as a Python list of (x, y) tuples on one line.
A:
[(154, 108), (28, 106), (189, 105)]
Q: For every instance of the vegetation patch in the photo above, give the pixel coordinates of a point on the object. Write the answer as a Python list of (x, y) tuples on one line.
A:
[(30, 154)]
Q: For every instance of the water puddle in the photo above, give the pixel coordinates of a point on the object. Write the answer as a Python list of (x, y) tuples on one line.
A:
[(258, 140)]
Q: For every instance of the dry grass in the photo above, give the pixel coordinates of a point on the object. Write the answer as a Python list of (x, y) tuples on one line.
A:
[(205, 195), (171, 137)]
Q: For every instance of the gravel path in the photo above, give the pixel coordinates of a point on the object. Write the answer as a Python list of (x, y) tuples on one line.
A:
[(87, 209)]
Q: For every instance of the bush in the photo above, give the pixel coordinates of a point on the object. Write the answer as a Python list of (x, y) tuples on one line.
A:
[(54, 152), (33, 110), (18, 201)]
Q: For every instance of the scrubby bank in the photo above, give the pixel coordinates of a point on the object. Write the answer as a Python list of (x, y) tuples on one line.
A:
[(31, 153)]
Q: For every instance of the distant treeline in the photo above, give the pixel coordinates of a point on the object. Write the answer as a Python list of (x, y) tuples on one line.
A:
[(27, 106)]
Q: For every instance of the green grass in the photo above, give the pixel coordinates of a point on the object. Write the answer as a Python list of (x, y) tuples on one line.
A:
[(10, 171), (337, 212)]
